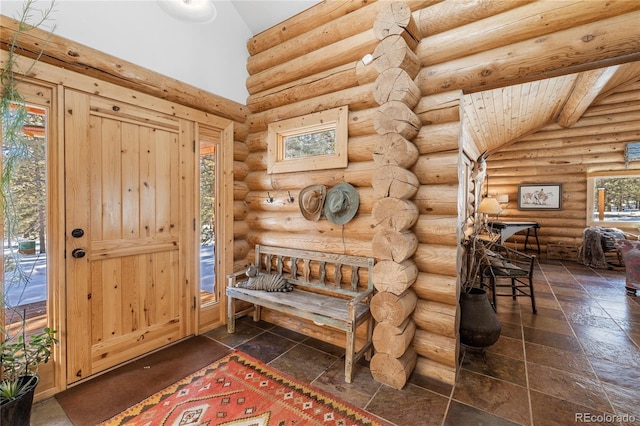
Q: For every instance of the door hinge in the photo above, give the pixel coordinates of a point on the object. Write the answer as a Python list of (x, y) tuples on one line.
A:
[(194, 145), (194, 303)]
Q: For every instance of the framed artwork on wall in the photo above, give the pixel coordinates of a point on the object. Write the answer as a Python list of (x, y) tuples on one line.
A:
[(540, 196), (311, 142)]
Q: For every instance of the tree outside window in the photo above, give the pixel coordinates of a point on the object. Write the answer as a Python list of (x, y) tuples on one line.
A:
[(616, 199)]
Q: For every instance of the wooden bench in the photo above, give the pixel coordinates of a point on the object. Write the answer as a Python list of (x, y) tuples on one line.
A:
[(331, 301)]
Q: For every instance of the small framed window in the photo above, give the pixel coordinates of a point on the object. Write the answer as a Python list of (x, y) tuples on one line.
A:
[(312, 142)]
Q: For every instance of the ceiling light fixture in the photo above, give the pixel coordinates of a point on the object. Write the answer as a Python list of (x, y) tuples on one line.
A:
[(196, 11)]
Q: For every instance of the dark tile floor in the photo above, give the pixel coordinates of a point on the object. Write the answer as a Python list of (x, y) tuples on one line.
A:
[(577, 360)]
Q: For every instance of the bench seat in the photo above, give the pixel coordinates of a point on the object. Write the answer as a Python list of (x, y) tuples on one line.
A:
[(332, 303), (319, 308)]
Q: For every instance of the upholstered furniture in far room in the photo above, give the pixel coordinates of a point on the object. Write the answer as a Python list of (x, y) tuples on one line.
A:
[(598, 248), (630, 251)]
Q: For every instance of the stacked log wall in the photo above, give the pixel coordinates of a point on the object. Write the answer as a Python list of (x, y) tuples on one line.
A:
[(309, 73), (311, 63), (472, 48), (436, 315), (394, 185), (281, 223)]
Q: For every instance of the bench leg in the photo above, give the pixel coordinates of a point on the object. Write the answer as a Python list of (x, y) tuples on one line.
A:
[(349, 351), (256, 313), (369, 341), (231, 315)]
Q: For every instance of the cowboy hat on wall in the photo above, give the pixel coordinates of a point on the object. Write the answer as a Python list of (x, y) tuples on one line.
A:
[(311, 200), (341, 203)]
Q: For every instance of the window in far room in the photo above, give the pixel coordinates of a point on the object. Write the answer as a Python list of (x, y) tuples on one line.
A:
[(613, 200)]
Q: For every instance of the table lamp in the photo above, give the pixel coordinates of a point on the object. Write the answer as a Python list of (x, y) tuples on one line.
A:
[(489, 206)]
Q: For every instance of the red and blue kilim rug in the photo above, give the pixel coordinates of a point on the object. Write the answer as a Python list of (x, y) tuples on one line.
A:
[(241, 391)]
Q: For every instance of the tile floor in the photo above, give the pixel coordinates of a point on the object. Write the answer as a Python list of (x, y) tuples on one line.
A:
[(576, 361)]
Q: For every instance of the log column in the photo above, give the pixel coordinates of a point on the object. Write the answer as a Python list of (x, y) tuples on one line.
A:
[(394, 185)]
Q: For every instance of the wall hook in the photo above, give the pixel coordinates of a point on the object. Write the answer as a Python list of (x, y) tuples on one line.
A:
[(290, 199), (269, 198)]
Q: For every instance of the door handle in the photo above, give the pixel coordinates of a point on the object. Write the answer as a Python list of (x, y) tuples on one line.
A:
[(77, 233), (78, 253)]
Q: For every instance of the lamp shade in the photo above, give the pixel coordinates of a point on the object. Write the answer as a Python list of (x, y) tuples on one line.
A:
[(489, 206)]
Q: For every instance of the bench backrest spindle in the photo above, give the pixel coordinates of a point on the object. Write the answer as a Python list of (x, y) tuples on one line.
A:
[(280, 264), (294, 268), (355, 277), (323, 272), (337, 274), (299, 267), (267, 263), (307, 270)]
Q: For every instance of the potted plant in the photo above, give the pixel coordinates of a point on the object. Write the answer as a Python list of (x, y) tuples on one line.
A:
[(20, 356), (21, 349)]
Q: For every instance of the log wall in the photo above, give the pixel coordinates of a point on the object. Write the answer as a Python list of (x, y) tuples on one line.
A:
[(595, 144), (394, 185), (312, 63)]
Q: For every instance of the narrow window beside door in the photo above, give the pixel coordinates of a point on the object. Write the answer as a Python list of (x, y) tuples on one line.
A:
[(208, 293), (24, 176)]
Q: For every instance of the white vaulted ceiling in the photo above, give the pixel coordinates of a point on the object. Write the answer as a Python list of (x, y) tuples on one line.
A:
[(494, 119), (211, 56), (260, 15)]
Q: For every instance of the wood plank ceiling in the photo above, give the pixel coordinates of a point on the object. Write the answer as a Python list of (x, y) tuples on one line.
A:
[(494, 119)]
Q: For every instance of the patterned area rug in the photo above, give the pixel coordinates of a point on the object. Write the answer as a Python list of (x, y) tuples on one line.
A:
[(241, 391)]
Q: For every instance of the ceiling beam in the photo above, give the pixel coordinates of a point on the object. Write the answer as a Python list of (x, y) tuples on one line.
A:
[(587, 86)]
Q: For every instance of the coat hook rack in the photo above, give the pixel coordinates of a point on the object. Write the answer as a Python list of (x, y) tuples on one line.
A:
[(269, 198), (290, 199)]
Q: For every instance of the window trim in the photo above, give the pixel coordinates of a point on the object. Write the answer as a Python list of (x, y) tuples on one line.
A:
[(336, 119), (590, 216)]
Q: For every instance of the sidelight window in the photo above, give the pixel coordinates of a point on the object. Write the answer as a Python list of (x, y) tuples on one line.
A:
[(208, 293), (24, 178)]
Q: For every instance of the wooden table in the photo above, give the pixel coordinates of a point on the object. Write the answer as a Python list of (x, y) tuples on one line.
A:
[(507, 229)]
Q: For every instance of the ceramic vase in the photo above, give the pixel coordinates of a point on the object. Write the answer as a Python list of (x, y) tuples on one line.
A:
[(479, 324)]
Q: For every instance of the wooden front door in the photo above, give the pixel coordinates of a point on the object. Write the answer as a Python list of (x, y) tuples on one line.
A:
[(126, 286)]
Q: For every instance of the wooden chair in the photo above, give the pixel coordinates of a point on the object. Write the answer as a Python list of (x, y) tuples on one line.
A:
[(500, 264)]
